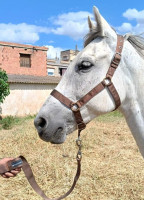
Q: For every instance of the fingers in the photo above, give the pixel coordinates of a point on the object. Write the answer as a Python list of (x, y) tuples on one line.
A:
[(17, 169), (8, 175), (12, 173), (4, 176), (15, 172)]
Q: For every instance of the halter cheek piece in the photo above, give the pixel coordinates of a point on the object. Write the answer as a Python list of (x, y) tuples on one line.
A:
[(75, 107)]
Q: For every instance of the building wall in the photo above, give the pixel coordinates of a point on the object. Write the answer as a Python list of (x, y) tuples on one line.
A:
[(52, 64), (25, 99), (10, 59), (68, 55), (58, 66)]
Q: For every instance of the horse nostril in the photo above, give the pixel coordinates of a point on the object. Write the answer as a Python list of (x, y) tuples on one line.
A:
[(59, 129), (41, 122)]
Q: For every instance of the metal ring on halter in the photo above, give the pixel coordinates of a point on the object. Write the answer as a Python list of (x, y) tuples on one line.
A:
[(75, 107), (107, 81)]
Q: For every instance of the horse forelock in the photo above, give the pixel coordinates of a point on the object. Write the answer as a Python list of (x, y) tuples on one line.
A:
[(92, 35)]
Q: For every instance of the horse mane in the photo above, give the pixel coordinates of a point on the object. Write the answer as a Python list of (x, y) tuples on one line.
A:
[(137, 41)]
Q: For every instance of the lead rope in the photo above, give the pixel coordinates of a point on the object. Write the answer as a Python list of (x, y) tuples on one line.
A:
[(29, 174), (28, 171), (31, 179)]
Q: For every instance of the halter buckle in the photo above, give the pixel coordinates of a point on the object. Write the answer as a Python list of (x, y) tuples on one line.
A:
[(118, 57)]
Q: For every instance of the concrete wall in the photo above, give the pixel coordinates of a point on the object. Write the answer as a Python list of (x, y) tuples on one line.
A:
[(25, 99)]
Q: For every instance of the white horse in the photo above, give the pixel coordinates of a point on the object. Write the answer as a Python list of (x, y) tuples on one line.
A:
[(55, 121)]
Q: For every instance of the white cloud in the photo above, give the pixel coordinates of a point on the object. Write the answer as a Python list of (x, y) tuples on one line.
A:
[(23, 33), (72, 24), (53, 52), (133, 14), (125, 27)]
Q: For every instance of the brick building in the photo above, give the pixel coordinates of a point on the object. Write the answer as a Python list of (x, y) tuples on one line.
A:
[(31, 76), (56, 67), (23, 59)]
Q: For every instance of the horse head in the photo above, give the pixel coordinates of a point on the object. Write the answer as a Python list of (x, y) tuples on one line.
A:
[(54, 120)]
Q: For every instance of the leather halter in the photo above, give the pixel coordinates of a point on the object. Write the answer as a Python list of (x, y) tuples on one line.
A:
[(105, 83), (75, 107)]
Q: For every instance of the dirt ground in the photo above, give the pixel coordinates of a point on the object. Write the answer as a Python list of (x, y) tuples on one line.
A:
[(112, 167)]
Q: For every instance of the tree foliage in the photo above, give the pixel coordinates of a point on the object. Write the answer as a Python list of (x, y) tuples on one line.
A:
[(4, 86)]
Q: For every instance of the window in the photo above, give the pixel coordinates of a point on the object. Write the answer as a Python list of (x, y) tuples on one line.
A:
[(65, 58), (25, 60), (62, 71), (50, 72)]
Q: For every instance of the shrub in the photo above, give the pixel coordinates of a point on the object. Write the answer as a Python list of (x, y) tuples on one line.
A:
[(4, 86), (10, 121), (7, 123)]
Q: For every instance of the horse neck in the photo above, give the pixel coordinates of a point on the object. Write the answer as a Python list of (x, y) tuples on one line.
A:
[(133, 105)]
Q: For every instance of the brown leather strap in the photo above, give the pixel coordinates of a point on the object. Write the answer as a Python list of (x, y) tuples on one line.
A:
[(76, 111), (113, 66), (91, 94), (61, 98), (31, 179), (117, 57), (115, 95), (79, 120)]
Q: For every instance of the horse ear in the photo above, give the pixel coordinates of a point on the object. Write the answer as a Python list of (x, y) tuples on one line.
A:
[(102, 25), (90, 23)]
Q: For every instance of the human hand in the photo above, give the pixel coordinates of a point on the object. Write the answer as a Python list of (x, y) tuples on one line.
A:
[(11, 173)]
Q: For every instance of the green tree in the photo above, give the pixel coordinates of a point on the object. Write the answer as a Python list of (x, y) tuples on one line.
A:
[(4, 86)]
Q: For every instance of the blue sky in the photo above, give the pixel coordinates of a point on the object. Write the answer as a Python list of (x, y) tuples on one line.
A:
[(61, 24)]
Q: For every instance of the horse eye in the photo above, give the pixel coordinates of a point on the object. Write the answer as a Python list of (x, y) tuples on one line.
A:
[(85, 65)]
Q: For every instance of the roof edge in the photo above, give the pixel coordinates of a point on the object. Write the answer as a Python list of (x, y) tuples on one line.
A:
[(14, 78)]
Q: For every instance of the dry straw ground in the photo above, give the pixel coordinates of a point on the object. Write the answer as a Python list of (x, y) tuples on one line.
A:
[(112, 167)]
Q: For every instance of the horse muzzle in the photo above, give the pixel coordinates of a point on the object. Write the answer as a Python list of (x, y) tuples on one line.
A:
[(50, 131)]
